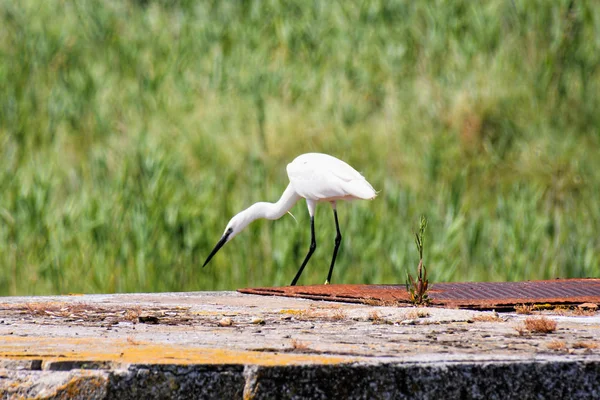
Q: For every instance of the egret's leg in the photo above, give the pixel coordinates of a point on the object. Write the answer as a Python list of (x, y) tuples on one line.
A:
[(338, 241), (313, 246)]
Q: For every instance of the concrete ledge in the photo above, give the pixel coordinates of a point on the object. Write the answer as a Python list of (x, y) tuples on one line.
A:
[(177, 381), (497, 380), (553, 380), (229, 345), (76, 384)]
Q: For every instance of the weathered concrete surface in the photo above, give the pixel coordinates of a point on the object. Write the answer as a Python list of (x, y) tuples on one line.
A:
[(229, 345)]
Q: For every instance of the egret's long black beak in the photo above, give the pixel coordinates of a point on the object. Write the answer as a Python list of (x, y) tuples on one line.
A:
[(220, 244)]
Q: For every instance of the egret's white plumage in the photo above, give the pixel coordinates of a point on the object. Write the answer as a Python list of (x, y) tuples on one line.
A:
[(321, 177), (316, 177)]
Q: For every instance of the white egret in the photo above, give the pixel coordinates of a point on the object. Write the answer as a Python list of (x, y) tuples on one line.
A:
[(316, 177)]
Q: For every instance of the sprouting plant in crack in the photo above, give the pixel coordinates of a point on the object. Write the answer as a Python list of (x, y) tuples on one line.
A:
[(418, 288)]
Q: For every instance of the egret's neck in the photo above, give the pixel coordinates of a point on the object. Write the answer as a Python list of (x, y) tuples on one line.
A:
[(274, 210)]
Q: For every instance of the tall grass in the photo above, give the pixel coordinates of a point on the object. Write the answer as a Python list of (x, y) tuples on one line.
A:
[(131, 131)]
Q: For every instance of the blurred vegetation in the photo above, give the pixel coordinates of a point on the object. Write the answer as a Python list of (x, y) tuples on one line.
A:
[(131, 131)]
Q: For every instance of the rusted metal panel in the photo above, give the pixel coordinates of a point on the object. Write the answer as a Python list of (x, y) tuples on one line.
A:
[(474, 295)]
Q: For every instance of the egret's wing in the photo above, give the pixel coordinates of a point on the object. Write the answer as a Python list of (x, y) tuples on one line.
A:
[(321, 177)]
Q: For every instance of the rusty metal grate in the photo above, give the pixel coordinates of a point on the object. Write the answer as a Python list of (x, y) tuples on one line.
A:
[(474, 295)]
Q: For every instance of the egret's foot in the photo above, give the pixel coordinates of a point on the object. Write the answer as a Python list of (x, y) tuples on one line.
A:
[(326, 282)]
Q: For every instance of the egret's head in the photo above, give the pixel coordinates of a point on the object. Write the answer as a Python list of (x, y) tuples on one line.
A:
[(235, 226)]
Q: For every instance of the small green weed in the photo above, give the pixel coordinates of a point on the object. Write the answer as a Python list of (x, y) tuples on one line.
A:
[(418, 289)]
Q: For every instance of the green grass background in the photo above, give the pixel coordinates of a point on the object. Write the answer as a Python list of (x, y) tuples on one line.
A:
[(131, 131)]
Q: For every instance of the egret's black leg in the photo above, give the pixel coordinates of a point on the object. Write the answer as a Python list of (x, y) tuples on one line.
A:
[(338, 241), (313, 246)]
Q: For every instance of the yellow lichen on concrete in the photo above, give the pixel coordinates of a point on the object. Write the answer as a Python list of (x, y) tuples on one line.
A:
[(82, 386), (292, 312), (120, 351)]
